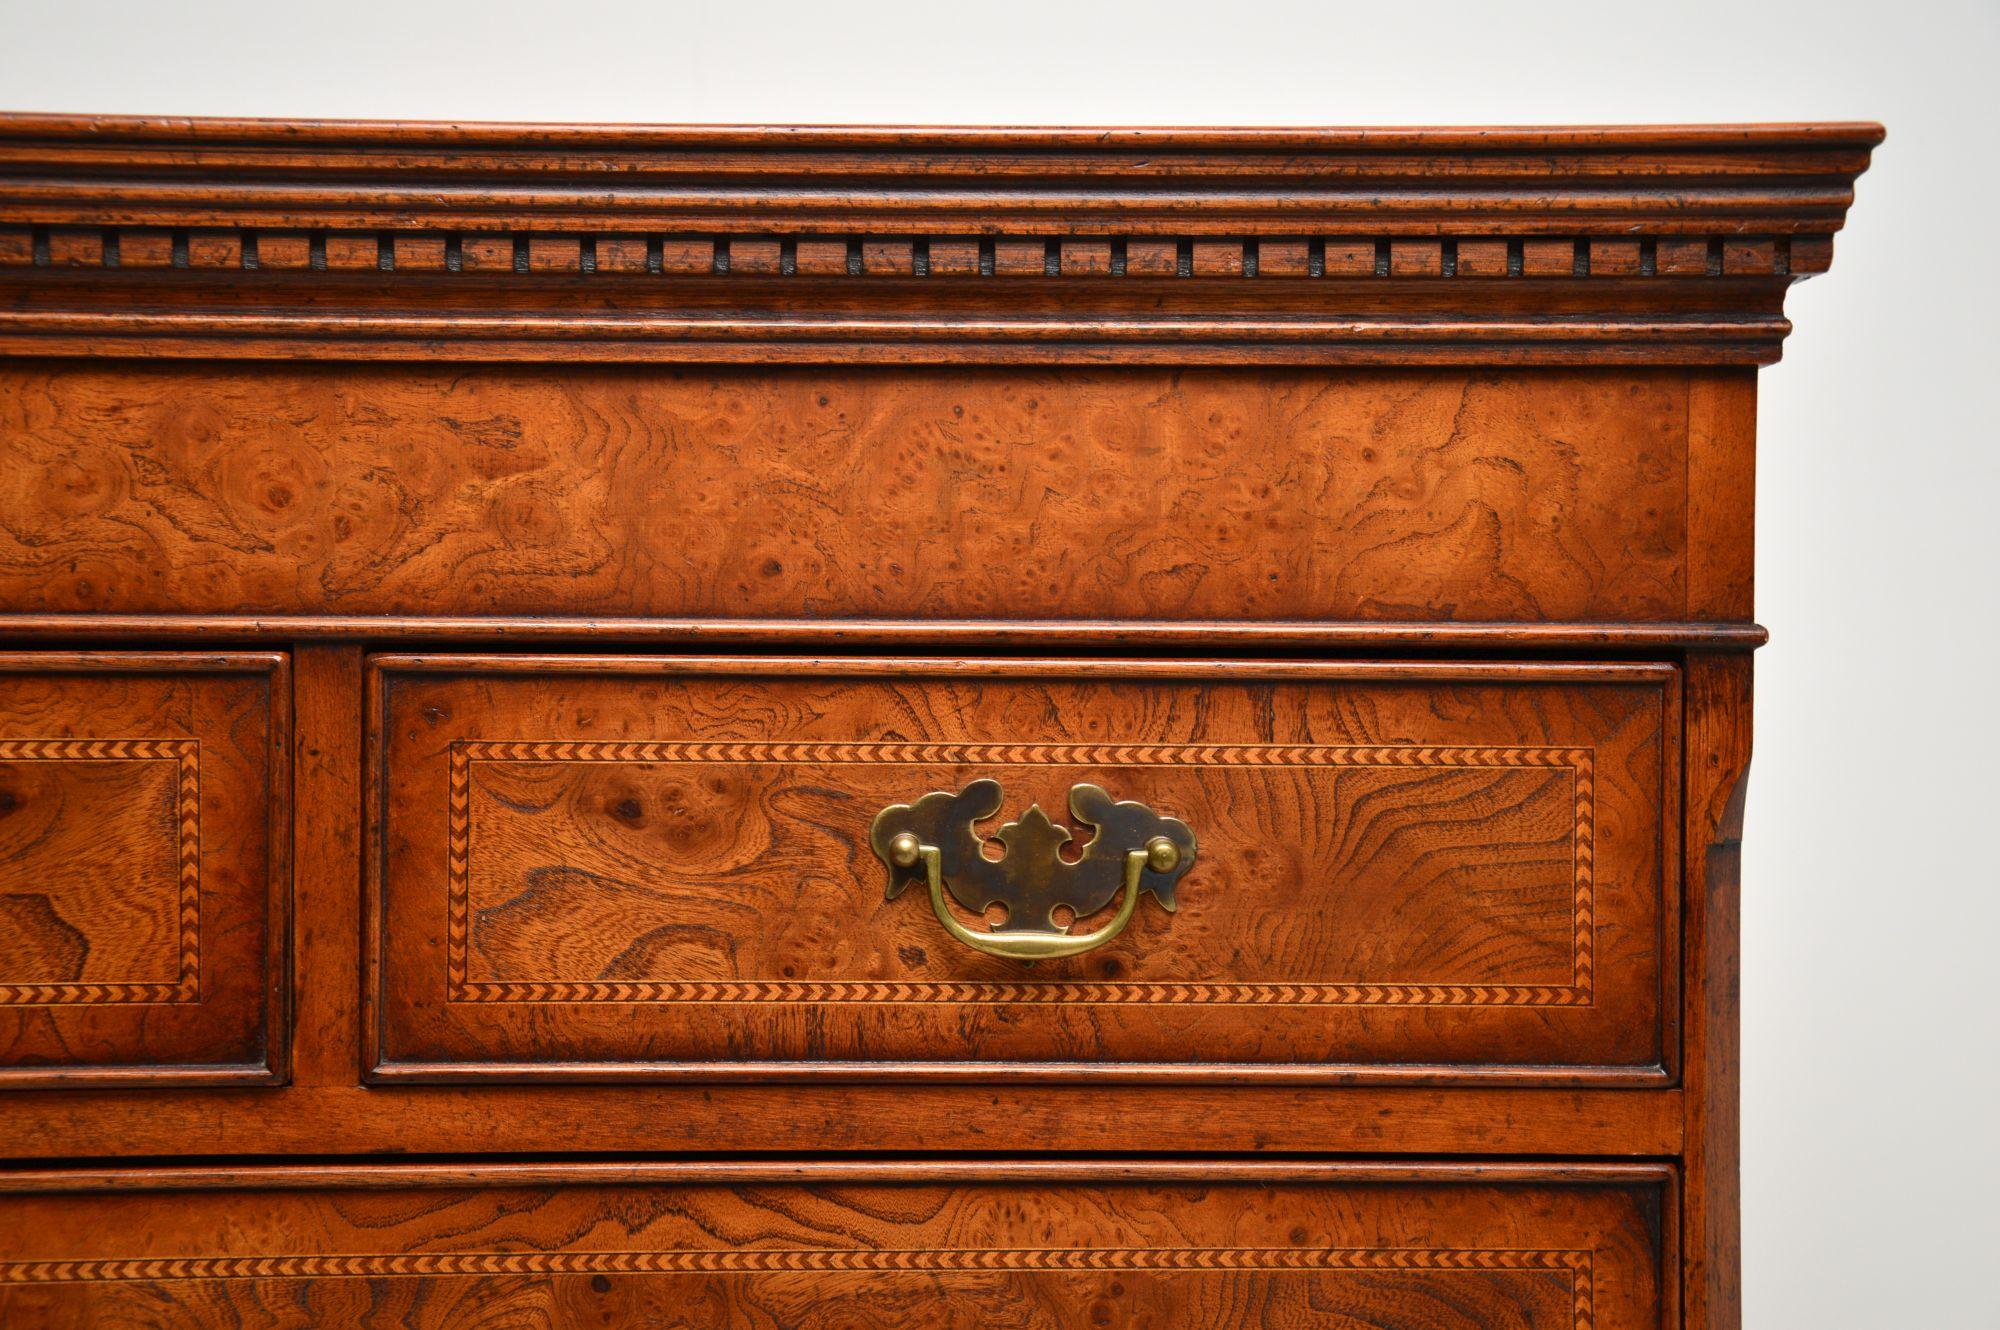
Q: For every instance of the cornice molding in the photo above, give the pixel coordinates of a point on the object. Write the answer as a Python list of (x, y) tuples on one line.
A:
[(185, 237)]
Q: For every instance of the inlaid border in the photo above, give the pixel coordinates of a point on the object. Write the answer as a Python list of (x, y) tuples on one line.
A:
[(1579, 761), (187, 754), (1577, 1264)]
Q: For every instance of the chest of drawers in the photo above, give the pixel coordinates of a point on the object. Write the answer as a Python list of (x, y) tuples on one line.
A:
[(879, 727)]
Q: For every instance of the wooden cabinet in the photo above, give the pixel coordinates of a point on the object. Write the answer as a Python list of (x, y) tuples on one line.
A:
[(868, 726)]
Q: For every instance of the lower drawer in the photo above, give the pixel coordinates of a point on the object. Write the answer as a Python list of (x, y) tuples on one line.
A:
[(1404, 1247)]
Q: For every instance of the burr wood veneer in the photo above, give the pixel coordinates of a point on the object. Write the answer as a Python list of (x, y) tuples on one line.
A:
[(584, 656), (1428, 872)]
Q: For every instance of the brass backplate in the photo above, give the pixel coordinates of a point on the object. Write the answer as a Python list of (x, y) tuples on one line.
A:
[(1032, 879)]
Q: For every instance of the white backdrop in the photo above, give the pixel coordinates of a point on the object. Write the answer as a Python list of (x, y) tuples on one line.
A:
[(1872, 1047)]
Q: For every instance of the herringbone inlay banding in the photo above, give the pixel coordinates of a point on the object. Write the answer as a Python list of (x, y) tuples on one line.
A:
[(459, 849), (186, 987), (1576, 1264)]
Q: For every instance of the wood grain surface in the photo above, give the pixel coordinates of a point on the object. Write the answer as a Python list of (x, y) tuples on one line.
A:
[(143, 872), (975, 494), (840, 1119), (1718, 748), (1432, 450), (1443, 1248), (603, 865)]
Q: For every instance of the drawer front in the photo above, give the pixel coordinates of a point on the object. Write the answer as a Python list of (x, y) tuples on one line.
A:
[(634, 867), (1416, 1248), (828, 492), (143, 799)]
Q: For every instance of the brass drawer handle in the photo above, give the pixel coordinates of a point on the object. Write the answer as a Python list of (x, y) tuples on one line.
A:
[(1135, 850)]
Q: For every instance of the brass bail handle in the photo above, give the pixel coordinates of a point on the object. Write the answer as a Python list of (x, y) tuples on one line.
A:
[(1134, 851), (1160, 854)]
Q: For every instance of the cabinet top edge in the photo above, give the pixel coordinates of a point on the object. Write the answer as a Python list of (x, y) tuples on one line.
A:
[(15, 126), (1614, 245)]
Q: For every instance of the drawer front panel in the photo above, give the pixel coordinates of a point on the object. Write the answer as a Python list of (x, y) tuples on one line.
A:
[(142, 867), (636, 867), (1416, 1248), (840, 492)]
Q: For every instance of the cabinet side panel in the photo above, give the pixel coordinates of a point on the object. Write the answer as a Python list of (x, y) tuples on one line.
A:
[(1718, 763)]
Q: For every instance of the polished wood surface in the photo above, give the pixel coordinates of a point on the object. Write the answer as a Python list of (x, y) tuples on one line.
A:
[(1718, 753), (1440, 1248), (1361, 247), (846, 494), (570, 538), (846, 1119), (661, 865), (144, 803)]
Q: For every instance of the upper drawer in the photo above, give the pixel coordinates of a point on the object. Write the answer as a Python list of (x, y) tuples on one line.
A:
[(835, 493), (643, 866), (143, 804)]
